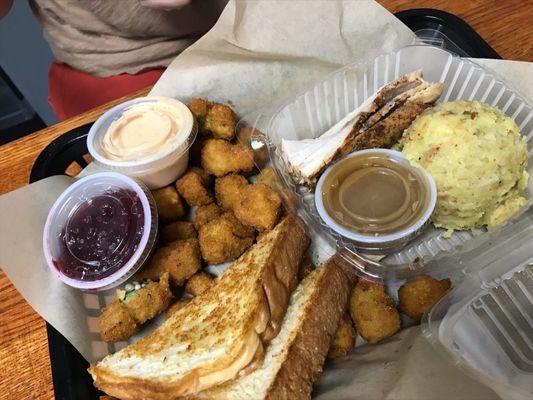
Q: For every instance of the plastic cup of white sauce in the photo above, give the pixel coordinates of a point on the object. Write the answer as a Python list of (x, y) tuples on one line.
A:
[(147, 138)]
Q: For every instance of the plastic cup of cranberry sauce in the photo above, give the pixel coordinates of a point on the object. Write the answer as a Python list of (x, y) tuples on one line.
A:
[(100, 231)]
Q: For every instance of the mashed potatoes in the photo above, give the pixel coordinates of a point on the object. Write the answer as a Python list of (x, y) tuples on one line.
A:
[(478, 159)]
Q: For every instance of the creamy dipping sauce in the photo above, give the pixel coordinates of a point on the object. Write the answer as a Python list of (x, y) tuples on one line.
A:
[(146, 129), (374, 195)]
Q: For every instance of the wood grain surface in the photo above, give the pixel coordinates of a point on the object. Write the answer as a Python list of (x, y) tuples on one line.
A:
[(24, 362)]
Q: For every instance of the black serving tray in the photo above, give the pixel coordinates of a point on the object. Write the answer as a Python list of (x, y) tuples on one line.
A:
[(69, 368), (447, 30)]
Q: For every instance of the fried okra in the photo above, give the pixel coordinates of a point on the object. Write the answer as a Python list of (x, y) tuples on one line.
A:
[(344, 339), (169, 205), (373, 311), (193, 186), (179, 230), (258, 206), (220, 157), (220, 122), (199, 283), (420, 294), (217, 120), (181, 259), (245, 136), (125, 315), (269, 177), (116, 322), (199, 108), (207, 213), (227, 190), (224, 239)]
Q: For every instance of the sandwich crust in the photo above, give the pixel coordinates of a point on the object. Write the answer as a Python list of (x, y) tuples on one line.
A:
[(307, 352), (294, 359)]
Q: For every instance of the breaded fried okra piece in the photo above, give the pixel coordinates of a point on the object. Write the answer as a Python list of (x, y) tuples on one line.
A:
[(199, 108), (224, 239), (125, 315), (169, 205), (373, 311), (217, 120), (179, 230), (116, 323), (207, 213), (193, 186), (220, 157), (258, 206), (344, 338), (269, 177), (227, 190), (181, 259), (220, 122), (199, 283), (420, 294)]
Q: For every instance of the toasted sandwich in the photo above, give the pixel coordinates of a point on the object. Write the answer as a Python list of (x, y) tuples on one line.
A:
[(217, 335), (295, 357)]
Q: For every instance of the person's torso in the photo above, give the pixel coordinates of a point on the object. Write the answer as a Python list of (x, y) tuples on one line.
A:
[(103, 37)]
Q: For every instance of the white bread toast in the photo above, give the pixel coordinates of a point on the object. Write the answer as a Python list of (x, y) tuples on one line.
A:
[(294, 359), (218, 334)]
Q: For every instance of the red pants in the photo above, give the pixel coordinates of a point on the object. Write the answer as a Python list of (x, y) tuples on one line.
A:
[(71, 92)]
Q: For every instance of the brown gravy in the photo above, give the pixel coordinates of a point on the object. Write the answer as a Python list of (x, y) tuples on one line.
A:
[(373, 194)]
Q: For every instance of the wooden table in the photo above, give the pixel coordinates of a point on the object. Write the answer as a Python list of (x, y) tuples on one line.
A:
[(24, 361)]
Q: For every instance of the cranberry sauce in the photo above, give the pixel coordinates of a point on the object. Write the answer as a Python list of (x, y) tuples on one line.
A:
[(101, 235)]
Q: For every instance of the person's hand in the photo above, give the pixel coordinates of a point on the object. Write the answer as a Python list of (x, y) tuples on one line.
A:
[(165, 4)]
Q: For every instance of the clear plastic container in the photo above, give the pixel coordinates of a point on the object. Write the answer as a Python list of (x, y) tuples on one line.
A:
[(485, 324), (155, 170), (100, 231), (309, 114)]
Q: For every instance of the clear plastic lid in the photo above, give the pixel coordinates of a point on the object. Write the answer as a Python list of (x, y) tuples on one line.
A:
[(310, 113), (100, 231), (485, 324)]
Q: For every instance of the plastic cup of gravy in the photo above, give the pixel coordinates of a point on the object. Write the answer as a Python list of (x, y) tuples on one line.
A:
[(100, 231), (376, 198), (146, 138)]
